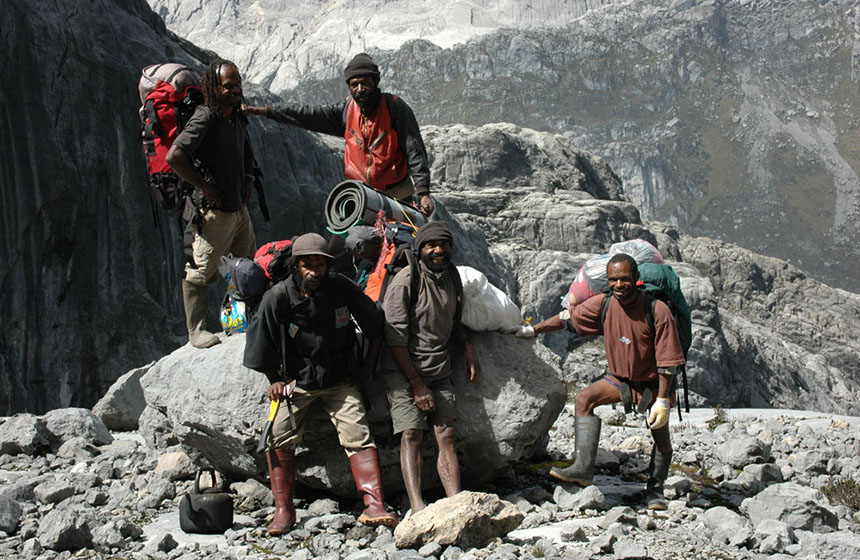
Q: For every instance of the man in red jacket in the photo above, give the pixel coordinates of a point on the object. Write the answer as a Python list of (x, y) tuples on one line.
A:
[(643, 355), (384, 148)]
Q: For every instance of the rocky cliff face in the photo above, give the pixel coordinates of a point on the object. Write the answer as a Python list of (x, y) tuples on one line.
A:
[(92, 285), (731, 119)]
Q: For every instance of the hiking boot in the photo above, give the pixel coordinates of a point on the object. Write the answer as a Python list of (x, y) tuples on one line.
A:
[(587, 433), (196, 300), (368, 482), (282, 473), (658, 469)]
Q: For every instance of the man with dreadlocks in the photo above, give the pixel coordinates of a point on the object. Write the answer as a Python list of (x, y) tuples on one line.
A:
[(216, 138)]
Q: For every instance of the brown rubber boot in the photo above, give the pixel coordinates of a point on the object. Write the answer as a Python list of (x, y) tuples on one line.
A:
[(368, 482), (196, 301), (282, 472)]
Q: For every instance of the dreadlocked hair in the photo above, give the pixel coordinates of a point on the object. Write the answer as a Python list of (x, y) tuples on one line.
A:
[(212, 81)]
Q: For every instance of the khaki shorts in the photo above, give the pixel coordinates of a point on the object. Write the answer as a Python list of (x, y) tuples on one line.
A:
[(344, 406), (221, 233), (405, 414)]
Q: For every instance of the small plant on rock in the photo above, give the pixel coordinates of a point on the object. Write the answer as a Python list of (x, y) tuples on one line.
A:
[(845, 491), (720, 417)]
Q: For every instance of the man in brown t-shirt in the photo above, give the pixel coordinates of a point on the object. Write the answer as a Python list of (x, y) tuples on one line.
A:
[(641, 359)]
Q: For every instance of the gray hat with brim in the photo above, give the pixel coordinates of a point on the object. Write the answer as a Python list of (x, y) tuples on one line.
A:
[(310, 244)]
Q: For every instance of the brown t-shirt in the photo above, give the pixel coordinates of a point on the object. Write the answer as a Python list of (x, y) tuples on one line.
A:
[(427, 329), (633, 351)]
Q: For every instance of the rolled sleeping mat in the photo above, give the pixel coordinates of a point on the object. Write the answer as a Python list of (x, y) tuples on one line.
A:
[(353, 203)]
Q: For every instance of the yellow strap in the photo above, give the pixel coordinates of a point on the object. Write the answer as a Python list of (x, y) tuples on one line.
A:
[(406, 215)]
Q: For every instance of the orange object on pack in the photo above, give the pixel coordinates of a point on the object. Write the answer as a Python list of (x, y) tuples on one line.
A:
[(398, 241)]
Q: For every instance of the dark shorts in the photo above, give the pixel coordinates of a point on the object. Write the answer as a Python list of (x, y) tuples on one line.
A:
[(637, 391), (405, 414)]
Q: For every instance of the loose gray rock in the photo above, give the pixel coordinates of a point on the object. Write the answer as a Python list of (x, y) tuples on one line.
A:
[(619, 514), (175, 466), (64, 424), (53, 491), (64, 529), (77, 448), (467, 519), (629, 549), (163, 543), (740, 452), (121, 407), (839, 544), (572, 497), (10, 515), (797, 506), (726, 525), (24, 434), (252, 495)]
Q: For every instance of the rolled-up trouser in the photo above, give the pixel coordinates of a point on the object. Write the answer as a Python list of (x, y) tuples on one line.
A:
[(343, 405), (221, 233)]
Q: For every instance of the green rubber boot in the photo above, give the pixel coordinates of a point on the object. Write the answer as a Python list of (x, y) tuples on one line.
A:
[(587, 433)]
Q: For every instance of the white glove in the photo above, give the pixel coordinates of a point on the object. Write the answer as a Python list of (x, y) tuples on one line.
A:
[(659, 416), (521, 331)]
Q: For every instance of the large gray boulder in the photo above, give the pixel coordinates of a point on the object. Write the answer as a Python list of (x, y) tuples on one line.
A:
[(799, 507), (466, 520), (215, 408)]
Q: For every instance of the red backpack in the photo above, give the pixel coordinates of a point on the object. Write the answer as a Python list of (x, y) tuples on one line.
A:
[(169, 94), (273, 257)]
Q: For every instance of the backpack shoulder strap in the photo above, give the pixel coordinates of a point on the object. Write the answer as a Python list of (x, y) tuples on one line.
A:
[(414, 278), (458, 289), (604, 307), (650, 310)]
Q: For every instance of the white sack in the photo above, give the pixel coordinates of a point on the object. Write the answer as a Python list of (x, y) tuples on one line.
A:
[(485, 307)]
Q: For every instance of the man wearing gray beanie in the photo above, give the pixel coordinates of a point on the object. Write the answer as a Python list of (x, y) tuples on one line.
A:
[(421, 331), (384, 148)]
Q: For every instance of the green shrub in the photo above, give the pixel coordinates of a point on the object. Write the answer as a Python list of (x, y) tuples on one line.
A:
[(845, 491)]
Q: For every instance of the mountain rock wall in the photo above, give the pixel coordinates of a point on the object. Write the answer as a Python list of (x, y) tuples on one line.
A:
[(730, 119), (92, 286), (91, 283)]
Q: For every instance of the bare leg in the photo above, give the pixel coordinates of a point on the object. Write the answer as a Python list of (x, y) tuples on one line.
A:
[(410, 464), (596, 394), (446, 463)]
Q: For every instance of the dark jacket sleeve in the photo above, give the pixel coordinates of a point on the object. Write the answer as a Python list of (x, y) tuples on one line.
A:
[(412, 146), (365, 311), (263, 341), (327, 119)]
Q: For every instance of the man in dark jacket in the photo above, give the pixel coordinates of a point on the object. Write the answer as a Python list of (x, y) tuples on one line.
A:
[(384, 148), (217, 137), (643, 356), (305, 320)]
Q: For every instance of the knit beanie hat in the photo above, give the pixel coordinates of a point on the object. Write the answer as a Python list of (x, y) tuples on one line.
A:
[(361, 65), (433, 231)]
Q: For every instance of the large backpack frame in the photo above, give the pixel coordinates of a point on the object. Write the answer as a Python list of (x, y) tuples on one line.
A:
[(169, 94)]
